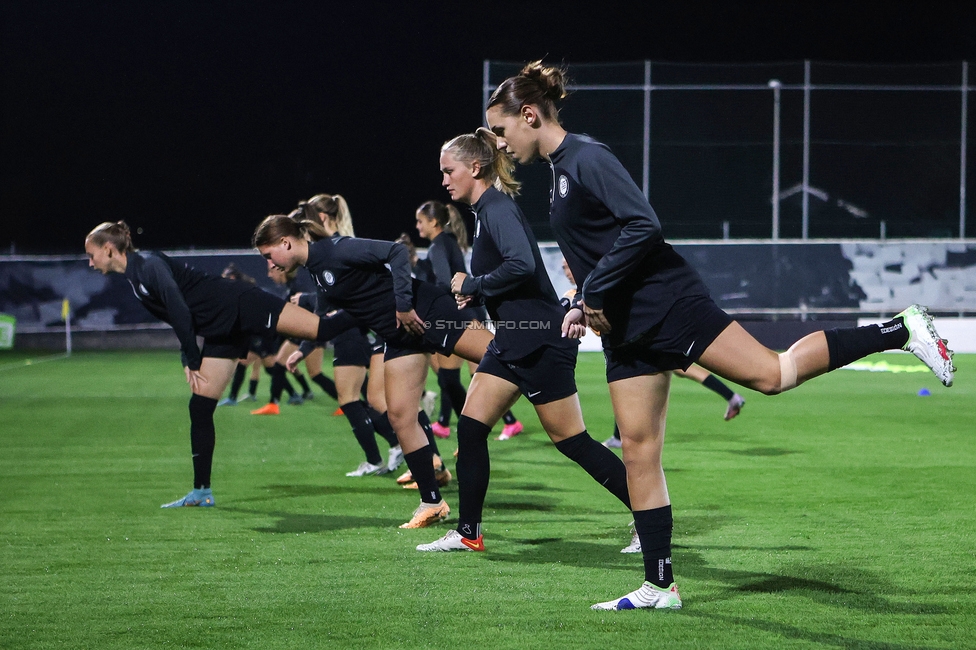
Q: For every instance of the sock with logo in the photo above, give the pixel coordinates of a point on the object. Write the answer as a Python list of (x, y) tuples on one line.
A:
[(654, 529), (603, 465), (473, 472), (202, 438), (847, 345), (509, 418), (382, 426), (362, 428), (424, 422)]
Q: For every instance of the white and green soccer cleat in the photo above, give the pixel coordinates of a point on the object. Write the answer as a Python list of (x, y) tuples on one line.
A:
[(924, 343), (647, 597)]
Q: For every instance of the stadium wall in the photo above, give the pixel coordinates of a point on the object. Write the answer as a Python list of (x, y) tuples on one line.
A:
[(778, 290)]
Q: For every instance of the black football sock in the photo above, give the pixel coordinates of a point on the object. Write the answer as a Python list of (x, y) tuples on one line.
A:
[(421, 466), (446, 408), (202, 438), (473, 471), (252, 387), (714, 383), (362, 428), (327, 385), (238, 381), (847, 345), (424, 422), (300, 378), (603, 465), (382, 426), (363, 388), (278, 379), (654, 529), (616, 431), (449, 382), (509, 418)]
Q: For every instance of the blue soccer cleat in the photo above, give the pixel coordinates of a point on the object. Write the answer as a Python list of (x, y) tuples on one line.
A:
[(227, 401), (196, 498)]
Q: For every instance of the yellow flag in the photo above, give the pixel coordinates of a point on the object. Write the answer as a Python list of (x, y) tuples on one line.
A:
[(65, 309)]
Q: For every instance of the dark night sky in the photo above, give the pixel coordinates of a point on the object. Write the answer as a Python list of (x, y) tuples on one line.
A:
[(193, 120)]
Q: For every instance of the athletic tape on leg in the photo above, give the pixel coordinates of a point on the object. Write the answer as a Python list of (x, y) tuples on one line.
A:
[(787, 371)]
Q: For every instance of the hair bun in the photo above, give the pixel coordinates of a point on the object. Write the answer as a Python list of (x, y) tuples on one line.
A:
[(550, 79)]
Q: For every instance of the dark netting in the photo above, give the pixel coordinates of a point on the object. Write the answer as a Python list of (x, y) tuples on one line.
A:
[(882, 159)]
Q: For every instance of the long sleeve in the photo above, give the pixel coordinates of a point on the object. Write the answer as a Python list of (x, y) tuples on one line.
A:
[(158, 278), (609, 182), (518, 263), (372, 252), (441, 265)]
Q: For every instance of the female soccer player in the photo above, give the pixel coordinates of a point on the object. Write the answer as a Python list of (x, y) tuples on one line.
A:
[(443, 226), (351, 353), (528, 355), (353, 275), (653, 309), (226, 313)]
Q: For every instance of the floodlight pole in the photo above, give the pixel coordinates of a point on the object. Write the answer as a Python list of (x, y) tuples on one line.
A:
[(776, 86), (962, 150)]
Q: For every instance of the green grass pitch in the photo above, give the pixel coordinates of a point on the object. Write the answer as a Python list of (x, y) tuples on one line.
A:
[(839, 515)]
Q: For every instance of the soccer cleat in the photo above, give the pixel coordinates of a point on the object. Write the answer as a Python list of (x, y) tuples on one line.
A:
[(307, 396), (394, 459), (268, 409), (613, 442), (296, 400), (511, 430), (454, 541), (248, 397), (428, 514), (635, 544), (440, 430), (735, 405), (368, 469), (647, 597), (227, 401), (404, 478), (196, 498), (338, 412), (924, 343), (428, 402)]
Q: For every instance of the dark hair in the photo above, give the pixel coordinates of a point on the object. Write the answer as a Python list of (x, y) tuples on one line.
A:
[(273, 228), (481, 146), (448, 218), (538, 84), (115, 233)]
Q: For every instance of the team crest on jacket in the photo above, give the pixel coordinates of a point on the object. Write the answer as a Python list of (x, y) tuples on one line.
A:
[(563, 186), (328, 277)]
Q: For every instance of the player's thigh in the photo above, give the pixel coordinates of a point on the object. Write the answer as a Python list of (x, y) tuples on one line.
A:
[(489, 397), (561, 419), (218, 373), (737, 356), (348, 381)]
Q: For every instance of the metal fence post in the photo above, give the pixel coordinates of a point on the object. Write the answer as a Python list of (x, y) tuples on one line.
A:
[(776, 86)]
